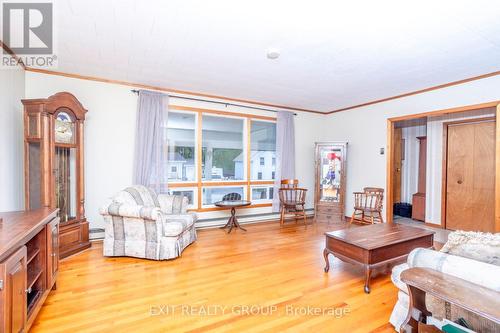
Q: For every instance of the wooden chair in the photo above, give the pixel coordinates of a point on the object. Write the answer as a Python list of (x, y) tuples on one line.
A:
[(368, 205), (292, 201), (289, 183)]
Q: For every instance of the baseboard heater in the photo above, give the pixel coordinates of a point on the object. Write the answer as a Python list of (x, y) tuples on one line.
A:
[(98, 233)]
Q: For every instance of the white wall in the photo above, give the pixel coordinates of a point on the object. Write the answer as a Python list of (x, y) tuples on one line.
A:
[(366, 128), (11, 140), (109, 137)]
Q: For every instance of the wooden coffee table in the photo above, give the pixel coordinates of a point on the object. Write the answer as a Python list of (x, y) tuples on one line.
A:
[(375, 245)]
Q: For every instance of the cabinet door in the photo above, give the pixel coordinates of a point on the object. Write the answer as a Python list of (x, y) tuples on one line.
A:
[(13, 292), (52, 251)]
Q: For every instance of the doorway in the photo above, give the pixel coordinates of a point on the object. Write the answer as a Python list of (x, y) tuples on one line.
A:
[(436, 184), (468, 175)]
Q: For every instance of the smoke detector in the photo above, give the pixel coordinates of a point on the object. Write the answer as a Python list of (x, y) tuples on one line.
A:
[(273, 53)]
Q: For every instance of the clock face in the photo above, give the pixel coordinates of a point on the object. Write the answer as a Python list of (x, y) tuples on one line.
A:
[(64, 128)]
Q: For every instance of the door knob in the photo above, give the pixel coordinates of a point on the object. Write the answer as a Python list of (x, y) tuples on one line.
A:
[(459, 182)]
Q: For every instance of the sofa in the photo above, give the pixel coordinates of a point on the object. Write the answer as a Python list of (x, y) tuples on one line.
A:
[(471, 256), (139, 223)]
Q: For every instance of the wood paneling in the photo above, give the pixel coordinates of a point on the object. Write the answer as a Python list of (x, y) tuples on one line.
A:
[(268, 265), (470, 192)]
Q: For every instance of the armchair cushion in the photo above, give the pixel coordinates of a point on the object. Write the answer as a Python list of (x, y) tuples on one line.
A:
[(131, 211), (173, 204), (174, 225)]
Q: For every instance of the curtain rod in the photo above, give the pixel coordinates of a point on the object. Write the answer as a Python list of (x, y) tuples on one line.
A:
[(135, 91)]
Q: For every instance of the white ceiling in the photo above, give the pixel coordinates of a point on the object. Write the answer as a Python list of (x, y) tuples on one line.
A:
[(334, 54)]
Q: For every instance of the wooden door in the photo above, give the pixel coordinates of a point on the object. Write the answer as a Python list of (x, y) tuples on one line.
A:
[(52, 251), (398, 143), (13, 292), (470, 182)]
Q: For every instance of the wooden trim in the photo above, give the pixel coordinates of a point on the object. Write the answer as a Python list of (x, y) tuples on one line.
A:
[(471, 107), (497, 172), (219, 112), (432, 225), (168, 90), (13, 55), (181, 185), (261, 182), (230, 183), (198, 158), (211, 184), (444, 169), (416, 92), (213, 209), (249, 156), (144, 86), (390, 163)]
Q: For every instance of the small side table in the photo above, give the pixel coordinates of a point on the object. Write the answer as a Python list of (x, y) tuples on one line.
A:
[(233, 204)]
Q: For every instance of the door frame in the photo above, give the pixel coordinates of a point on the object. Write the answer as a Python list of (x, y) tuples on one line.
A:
[(444, 172), (390, 153)]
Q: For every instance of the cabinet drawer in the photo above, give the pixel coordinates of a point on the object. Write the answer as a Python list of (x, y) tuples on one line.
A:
[(328, 209), (329, 218)]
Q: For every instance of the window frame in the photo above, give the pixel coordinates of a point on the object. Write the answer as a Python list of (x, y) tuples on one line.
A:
[(186, 183), (198, 184)]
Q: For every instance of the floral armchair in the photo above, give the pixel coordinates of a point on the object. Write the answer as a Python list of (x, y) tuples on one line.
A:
[(139, 223)]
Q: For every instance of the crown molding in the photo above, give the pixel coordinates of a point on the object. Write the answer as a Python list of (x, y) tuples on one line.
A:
[(13, 55), (167, 90), (441, 86)]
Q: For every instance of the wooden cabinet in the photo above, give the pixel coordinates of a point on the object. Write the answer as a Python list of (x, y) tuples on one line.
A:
[(52, 251), (53, 139), (28, 265), (418, 199), (329, 198), (13, 292)]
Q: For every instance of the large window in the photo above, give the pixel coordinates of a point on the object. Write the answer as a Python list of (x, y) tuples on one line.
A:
[(263, 150), (213, 194), (262, 193), (222, 149), (211, 155), (181, 147)]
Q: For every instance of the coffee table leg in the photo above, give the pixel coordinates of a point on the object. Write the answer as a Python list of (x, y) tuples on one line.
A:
[(368, 274), (327, 263)]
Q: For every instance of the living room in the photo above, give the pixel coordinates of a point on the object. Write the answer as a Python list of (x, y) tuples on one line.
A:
[(191, 166)]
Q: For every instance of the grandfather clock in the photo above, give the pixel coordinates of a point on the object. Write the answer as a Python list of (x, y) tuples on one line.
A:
[(53, 165)]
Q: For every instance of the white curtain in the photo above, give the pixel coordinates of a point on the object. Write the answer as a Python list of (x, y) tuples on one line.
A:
[(285, 152), (150, 154)]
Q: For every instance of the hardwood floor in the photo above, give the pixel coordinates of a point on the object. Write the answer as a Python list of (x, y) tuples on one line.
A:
[(278, 271)]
